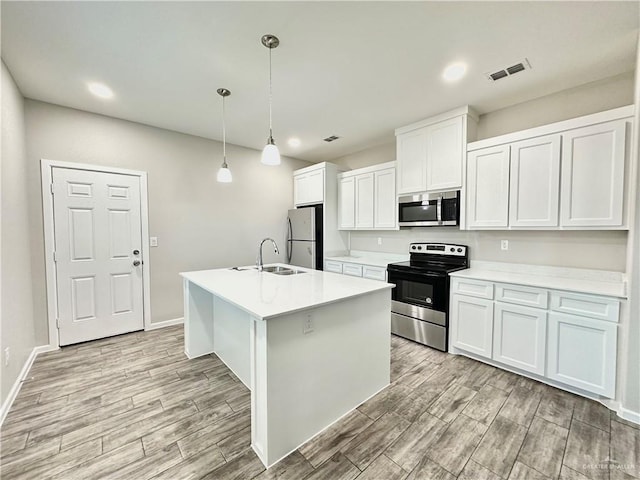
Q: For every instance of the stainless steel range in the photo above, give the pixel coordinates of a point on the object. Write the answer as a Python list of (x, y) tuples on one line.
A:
[(420, 299)]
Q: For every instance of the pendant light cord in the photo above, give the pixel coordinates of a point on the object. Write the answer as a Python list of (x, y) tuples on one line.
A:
[(270, 96), (224, 136)]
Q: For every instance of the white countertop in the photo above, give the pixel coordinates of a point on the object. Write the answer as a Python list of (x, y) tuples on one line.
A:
[(265, 295), (376, 259), (596, 282)]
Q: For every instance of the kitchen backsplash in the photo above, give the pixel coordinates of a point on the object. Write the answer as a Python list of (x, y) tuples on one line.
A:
[(599, 250)]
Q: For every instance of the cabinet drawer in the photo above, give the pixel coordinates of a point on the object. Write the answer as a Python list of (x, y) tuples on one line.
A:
[(352, 269), (520, 295), (592, 306), (473, 288), (331, 266), (374, 273)]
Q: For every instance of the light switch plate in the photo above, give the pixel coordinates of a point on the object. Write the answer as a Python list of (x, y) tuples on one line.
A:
[(153, 241)]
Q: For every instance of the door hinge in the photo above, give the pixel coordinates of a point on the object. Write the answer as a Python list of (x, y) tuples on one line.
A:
[(55, 256), (57, 323), (52, 189)]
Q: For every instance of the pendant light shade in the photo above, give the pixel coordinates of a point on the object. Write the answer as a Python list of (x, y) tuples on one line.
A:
[(270, 153), (224, 174)]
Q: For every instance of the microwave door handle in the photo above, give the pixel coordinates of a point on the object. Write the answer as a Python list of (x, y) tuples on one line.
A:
[(439, 210)]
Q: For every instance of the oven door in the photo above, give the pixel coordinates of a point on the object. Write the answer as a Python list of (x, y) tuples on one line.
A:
[(420, 289)]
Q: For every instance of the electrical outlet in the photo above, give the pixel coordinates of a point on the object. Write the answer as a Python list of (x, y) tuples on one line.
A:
[(504, 244), (153, 241), (379, 240), (7, 356), (308, 325)]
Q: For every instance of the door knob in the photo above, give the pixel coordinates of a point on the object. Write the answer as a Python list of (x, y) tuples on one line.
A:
[(136, 252), (136, 263)]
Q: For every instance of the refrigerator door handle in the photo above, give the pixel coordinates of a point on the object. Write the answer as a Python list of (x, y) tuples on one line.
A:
[(289, 241)]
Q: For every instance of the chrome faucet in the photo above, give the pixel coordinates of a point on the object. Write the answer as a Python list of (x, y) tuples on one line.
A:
[(275, 249)]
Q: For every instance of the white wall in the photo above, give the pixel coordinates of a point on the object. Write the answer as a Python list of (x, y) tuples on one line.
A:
[(597, 250), (16, 300), (199, 223), (574, 102), (369, 156)]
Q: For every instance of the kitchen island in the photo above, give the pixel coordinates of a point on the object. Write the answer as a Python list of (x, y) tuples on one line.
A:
[(310, 346)]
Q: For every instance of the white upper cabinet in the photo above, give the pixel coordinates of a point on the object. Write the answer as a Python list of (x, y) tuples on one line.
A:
[(567, 175), (385, 208), (488, 187), (308, 187), (367, 198), (535, 178), (364, 200), (593, 175), (445, 153), (347, 203), (431, 153), (412, 161)]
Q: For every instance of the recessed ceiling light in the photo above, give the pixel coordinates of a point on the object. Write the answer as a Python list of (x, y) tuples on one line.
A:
[(294, 142), (454, 72), (100, 90)]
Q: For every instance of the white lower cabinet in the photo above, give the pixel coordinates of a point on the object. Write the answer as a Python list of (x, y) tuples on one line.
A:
[(352, 269), (332, 266), (473, 327), (519, 328), (356, 270), (520, 337), (582, 353)]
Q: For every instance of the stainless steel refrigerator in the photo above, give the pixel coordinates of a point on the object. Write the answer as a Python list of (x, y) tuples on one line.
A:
[(304, 237)]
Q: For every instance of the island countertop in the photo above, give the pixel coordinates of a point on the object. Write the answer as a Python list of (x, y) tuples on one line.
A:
[(266, 295)]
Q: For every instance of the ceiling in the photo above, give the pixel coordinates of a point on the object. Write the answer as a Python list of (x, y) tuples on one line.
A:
[(357, 70)]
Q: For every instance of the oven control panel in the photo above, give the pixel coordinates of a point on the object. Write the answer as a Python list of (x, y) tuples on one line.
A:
[(438, 249)]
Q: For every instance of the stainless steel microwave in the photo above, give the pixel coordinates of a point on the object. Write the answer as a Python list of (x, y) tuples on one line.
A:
[(429, 210)]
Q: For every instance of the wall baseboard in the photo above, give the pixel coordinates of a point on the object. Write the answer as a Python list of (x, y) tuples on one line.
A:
[(15, 389), (166, 323), (629, 415)]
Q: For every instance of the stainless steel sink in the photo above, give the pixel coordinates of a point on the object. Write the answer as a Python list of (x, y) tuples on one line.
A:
[(278, 270)]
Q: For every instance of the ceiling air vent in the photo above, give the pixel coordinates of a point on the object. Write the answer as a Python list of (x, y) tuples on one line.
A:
[(331, 138), (508, 71)]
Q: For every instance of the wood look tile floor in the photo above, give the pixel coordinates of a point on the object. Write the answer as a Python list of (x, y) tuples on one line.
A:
[(133, 407)]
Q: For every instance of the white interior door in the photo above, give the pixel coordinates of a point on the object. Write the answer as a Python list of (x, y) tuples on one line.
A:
[(98, 245)]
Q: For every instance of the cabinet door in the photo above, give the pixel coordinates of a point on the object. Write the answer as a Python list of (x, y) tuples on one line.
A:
[(472, 324), (364, 200), (385, 206), (444, 155), (520, 337), (592, 189), (488, 187), (347, 203), (412, 161), (300, 189), (582, 353), (315, 187), (535, 182)]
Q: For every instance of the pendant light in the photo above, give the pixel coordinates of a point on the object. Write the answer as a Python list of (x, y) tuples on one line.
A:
[(270, 153), (224, 174)]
